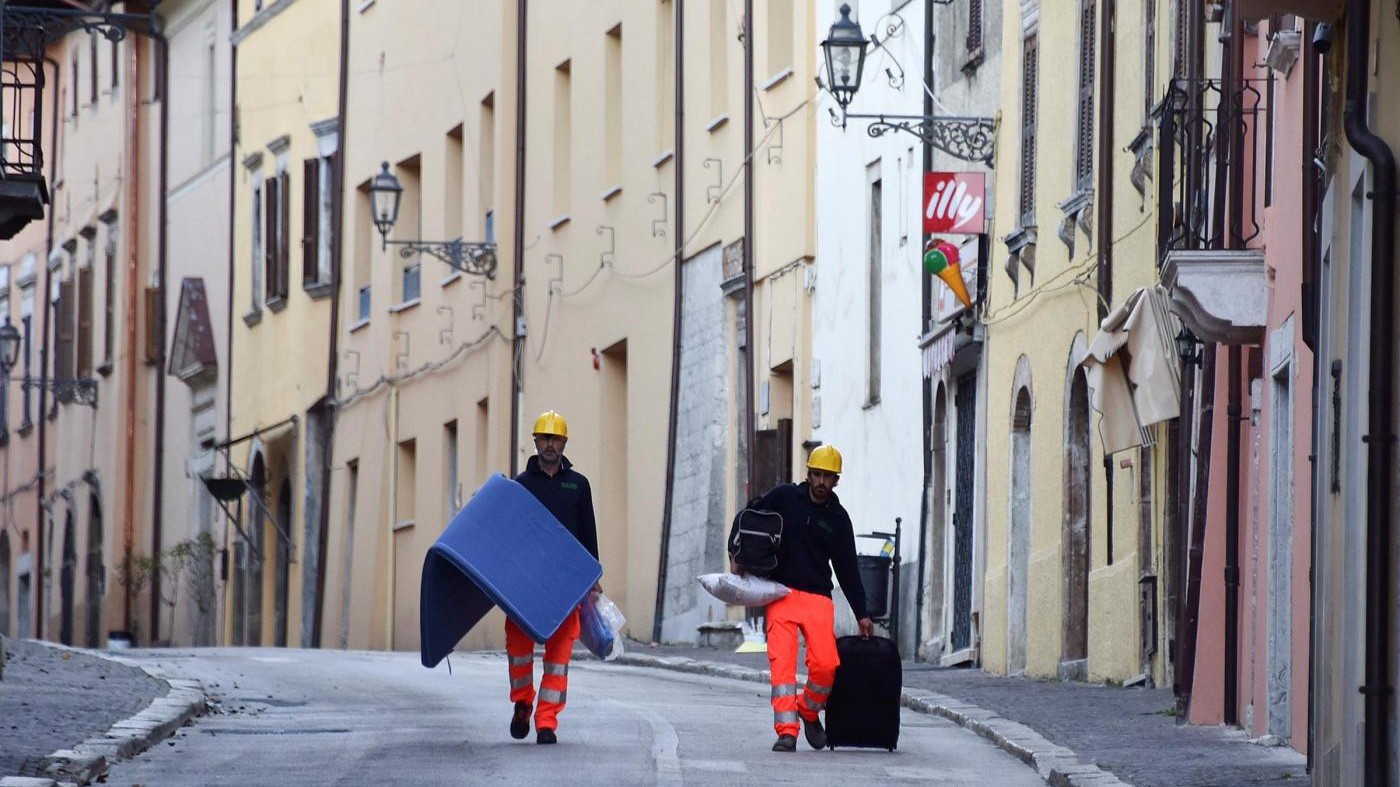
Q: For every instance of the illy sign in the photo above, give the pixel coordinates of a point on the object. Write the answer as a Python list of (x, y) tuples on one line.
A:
[(955, 202)]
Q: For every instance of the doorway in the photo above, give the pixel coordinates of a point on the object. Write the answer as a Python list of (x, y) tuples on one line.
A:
[(1019, 543), (1074, 538)]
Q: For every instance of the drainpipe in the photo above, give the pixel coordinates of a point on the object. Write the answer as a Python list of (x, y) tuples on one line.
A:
[(327, 415), (926, 321), (1233, 418), (133, 110), (750, 345), (677, 161), (393, 455), (44, 338), (1379, 463), (1105, 222), (162, 287), (232, 266), (1311, 263), (517, 359)]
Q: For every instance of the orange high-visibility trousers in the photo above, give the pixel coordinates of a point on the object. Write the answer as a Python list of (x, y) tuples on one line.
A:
[(554, 683), (814, 616)]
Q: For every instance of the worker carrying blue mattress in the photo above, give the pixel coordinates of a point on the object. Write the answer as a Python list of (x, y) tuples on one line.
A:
[(528, 546)]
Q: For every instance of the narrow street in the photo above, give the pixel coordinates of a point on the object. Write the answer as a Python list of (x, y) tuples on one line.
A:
[(294, 717)]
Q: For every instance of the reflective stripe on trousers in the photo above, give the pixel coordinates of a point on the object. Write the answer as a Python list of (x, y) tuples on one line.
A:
[(554, 682), (813, 616)]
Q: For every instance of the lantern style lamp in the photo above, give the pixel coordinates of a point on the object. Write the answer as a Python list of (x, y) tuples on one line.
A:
[(385, 193), (1188, 346), (844, 48), (9, 346)]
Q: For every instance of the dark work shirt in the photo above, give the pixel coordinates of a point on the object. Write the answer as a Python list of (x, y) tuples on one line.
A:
[(816, 538), (567, 496)]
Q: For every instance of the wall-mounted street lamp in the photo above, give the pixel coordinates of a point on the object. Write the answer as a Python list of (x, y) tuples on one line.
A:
[(82, 390), (967, 138), (385, 194), (1188, 347)]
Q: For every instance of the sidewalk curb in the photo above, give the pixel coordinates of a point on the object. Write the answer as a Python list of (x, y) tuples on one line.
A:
[(1057, 765), (91, 759)]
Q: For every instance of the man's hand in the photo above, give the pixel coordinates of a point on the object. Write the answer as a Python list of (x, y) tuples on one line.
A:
[(735, 569), (867, 627), (598, 586)]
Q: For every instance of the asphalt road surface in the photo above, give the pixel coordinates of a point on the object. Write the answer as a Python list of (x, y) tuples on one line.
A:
[(318, 717)]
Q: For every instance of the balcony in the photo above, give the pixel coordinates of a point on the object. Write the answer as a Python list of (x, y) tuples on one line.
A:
[(1221, 295)]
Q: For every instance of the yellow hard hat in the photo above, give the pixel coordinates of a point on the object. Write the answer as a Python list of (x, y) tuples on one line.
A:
[(551, 422), (825, 458)]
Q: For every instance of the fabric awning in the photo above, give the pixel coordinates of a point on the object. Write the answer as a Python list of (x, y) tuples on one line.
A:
[(1133, 373)]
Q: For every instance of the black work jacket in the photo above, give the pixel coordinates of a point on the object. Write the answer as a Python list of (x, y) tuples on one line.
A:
[(568, 497), (816, 538)]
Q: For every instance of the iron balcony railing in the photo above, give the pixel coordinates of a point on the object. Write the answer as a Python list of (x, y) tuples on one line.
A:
[(1214, 163)]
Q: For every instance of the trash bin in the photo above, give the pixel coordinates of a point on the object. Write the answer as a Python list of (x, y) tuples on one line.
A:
[(875, 576)]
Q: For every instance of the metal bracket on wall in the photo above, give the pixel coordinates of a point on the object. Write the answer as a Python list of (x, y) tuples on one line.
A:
[(555, 280), (775, 150), (658, 226), (712, 193), (445, 334), (401, 359), (352, 377), (479, 306), (608, 254)]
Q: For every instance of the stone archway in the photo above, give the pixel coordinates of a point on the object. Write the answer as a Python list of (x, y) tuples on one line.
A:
[(96, 573), (284, 566), (1074, 537), (1019, 535), (67, 578)]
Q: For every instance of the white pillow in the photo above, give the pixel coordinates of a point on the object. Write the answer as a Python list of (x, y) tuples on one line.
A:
[(746, 590)]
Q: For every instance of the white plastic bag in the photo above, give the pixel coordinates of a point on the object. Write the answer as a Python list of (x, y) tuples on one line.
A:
[(746, 590), (600, 626)]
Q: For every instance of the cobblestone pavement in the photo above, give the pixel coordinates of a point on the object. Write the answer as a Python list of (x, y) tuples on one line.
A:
[(52, 699), (1128, 732)]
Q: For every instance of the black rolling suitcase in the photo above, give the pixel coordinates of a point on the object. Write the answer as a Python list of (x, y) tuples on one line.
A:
[(863, 709)]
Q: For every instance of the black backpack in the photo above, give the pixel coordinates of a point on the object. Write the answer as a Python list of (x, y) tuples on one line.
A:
[(754, 539)]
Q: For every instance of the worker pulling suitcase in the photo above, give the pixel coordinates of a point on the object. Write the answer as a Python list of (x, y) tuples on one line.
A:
[(863, 709)]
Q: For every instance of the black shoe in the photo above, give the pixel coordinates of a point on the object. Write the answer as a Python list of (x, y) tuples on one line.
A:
[(545, 736), (816, 735), (520, 722), (785, 743)]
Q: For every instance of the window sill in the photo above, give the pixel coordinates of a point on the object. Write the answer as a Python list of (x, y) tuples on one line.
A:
[(777, 79), (364, 6), (662, 159), (717, 123), (451, 277), (974, 61), (407, 524), (871, 403), (405, 306), (318, 290), (559, 222), (252, 318), (25, 428), (611, 192), (358, 325), (277, 304)]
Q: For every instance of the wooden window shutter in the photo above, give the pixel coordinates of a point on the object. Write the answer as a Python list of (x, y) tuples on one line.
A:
[(1084, 160), (270, 239), (974, 27), (85, 295), (310, 221), (284, 198), (153, 338), (1029, 98), (63, 360)]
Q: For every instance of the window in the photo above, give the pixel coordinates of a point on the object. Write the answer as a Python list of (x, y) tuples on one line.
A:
[(1084, 144), (486, 169), (92, 68), (1030, 99), (563, 133), (612, 108), (452, 175), (312, 193), (1149, 57), (665, 75), (365, 233), (451, 485), (116, 52), (975, 26), (719, 60), (109, 296), (276, 256), (410, 227), (779, 41), (404, 515), (62, 314), (73, 88), (26, 306), (259, 255), (873, 278), (84, 308)]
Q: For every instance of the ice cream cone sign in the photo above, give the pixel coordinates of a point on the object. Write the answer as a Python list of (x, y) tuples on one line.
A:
[(941, 260)]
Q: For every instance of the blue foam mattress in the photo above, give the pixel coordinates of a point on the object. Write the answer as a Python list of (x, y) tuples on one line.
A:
[(503, 549)]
